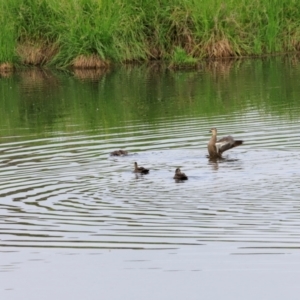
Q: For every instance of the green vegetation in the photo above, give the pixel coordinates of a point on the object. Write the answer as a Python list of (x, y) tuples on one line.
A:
[(181, 58), (92, 33)]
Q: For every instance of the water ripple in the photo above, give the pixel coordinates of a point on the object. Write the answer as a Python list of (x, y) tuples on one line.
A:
[(67, 191)]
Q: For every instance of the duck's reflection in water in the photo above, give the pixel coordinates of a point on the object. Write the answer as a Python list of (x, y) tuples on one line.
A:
[(216, 162)]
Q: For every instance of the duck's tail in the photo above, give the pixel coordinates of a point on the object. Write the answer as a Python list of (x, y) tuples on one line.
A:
[(238, 143)]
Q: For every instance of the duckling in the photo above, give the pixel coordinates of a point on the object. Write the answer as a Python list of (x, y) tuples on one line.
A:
[(119, 153), (216, 148), (141, 170), (180, 176)]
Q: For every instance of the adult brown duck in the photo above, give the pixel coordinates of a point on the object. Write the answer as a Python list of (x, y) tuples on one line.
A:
[(140, 170), (217, 147), (179, 175), (119, 153)]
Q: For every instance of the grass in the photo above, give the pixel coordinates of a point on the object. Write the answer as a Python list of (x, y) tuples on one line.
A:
[(182, 59), (8, 37), (95, 33)]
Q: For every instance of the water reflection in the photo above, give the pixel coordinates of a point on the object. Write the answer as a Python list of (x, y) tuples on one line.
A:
[(36, 100), (214, 163)]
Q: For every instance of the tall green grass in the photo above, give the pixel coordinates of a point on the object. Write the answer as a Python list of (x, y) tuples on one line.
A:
[(141, 30), (8, 36)]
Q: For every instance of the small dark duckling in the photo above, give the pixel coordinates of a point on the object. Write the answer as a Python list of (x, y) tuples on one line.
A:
[(180, 176), (119, 153), (140, 170)]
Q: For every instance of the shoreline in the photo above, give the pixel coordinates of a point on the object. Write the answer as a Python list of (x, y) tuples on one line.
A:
[(83, 63)]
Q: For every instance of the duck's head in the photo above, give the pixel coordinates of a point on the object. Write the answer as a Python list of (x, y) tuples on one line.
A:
[(213, 131), (177, 171), (135, 164)]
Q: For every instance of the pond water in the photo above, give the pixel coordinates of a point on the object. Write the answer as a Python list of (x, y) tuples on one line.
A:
[(77, 223)]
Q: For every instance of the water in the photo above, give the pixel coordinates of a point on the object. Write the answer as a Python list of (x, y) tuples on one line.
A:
[(71, 215)]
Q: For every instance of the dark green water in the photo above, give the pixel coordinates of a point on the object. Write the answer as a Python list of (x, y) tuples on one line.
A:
[(71, 214), (44, 102)]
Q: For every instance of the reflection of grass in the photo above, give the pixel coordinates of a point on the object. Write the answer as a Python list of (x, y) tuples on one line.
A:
[(130, 30), (42, 102), (90, 74)]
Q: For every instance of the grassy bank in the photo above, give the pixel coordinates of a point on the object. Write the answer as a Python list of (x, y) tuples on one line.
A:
[(94, 33)]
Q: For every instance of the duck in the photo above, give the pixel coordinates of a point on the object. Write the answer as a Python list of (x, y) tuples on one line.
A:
[(140, 170), (119, 153), (217, 147), (179, 175)]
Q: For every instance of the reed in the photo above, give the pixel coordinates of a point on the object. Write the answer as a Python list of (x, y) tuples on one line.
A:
[(98, 32)]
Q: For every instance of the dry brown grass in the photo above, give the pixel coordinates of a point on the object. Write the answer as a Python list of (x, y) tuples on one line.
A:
[(155, 53), (188, 42), (92, 61), (219, 49), (36, 54), (6, 66), (295, 42)]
